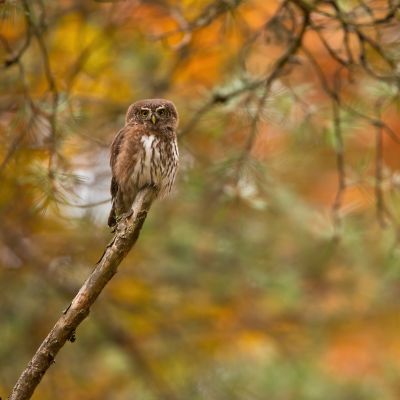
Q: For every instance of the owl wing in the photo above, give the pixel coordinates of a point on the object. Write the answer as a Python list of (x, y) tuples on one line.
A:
[(123, 156), (125, 150), (116, 145), (115, 149)]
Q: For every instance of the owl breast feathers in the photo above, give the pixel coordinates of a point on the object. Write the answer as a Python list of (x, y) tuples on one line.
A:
[(143, 153)]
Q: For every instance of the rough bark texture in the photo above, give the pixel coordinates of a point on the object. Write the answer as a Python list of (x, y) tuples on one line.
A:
[(125, 237)]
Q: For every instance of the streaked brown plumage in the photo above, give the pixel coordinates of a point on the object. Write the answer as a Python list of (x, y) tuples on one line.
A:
[(144, 152)]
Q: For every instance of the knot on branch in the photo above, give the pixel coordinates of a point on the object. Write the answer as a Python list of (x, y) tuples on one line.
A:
[(219, 98)]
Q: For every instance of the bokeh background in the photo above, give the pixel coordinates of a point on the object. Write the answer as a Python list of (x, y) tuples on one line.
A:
[(272, 271)]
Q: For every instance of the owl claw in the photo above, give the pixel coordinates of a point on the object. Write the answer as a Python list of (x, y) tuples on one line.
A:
[(154, 187), (124, 216), (119, 219), (127, 214)]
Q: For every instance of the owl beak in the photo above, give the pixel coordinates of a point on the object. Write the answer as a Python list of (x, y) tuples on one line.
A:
[(153, 119)]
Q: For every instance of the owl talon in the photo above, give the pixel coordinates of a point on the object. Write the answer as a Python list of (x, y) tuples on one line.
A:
[(119, 219), (124, 216), (153, 186)]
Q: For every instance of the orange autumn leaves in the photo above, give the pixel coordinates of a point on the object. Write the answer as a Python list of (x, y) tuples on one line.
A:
[(245, 278)]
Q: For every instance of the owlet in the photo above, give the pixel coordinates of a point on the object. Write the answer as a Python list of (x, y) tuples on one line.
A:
[(143, 153)]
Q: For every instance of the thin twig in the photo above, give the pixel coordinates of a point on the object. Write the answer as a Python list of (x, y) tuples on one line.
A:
[(87, 205), (340, 164), (37, 31), (379, 200), (276, 72), (216, 99)]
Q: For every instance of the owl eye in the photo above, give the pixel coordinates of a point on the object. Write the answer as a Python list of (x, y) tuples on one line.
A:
[(144, 112), (161, 111)]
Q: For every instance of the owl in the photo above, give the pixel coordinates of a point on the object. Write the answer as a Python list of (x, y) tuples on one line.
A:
[(143, 153)]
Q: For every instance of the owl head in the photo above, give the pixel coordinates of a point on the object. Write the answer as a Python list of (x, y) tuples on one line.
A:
[(153, 112)]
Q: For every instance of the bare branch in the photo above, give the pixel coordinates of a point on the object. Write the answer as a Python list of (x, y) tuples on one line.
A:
[(340, 163), (218, 98), (37, 31), (128, 231), (276, 72)]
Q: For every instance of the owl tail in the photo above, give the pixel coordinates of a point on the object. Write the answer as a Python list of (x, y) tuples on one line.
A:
[(112, 220)]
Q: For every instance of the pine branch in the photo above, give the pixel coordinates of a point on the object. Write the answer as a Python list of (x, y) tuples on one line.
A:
[(127, 233)]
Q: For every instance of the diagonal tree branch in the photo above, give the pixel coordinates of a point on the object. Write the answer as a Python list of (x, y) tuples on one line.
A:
[(128, 231)]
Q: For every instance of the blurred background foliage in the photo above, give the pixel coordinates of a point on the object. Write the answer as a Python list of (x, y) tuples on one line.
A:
[(272, 272)]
